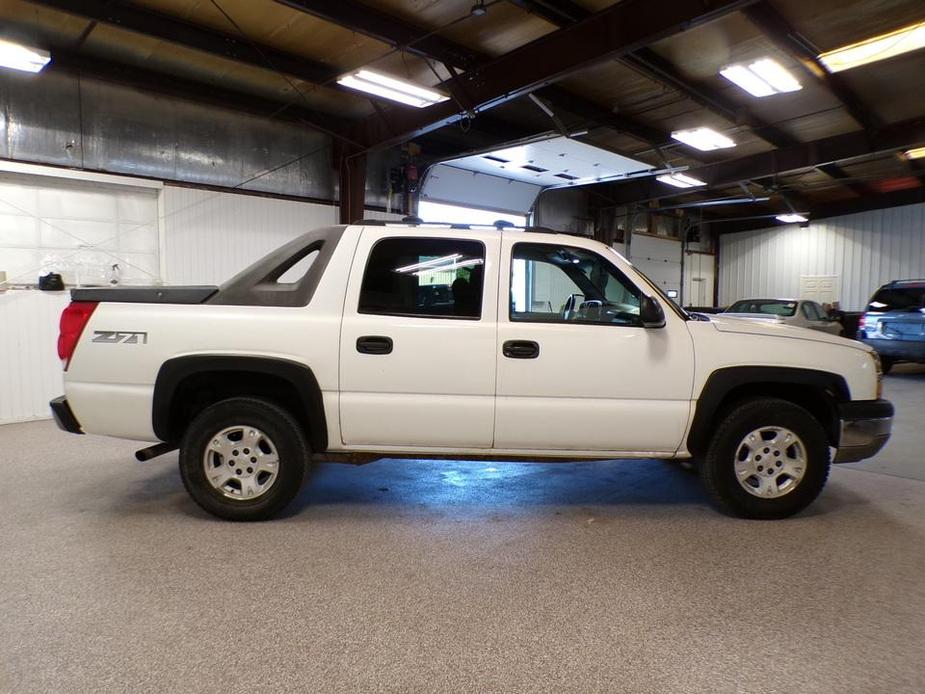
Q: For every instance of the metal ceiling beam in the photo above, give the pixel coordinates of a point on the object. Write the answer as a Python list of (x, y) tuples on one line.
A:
[(776, 28), (786, 160), (389, 29), (731, 225), (558, 12), (657, 68), (611, 33), (423, 42), (178, 31)]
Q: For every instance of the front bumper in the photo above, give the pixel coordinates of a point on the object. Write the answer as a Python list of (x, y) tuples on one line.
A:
[(865, 427), (64, 415)]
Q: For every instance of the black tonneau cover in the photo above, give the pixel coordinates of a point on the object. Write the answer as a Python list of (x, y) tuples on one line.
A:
[(146, 295)]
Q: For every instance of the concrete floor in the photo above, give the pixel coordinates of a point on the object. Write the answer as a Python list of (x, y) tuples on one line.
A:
[(437, 576)]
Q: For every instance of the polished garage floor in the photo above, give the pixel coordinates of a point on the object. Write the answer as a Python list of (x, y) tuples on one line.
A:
[(435, 576)]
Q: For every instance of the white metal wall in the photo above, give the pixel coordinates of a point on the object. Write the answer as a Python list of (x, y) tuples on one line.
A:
[(863, 250)]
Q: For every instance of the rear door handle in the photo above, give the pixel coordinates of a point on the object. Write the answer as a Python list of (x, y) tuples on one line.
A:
[(374, 344), (520, 349)]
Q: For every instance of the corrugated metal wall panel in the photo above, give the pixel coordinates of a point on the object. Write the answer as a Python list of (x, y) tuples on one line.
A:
[(864, 250), (30, 373), (209, 236)]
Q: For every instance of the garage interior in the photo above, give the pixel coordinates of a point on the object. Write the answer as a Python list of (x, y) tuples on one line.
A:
[(175, 141)]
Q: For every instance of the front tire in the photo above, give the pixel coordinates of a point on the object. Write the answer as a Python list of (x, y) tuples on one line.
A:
[(768, 459), (243, 459)]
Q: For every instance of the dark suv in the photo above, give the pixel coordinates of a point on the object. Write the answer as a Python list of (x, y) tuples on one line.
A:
[(894, 323)]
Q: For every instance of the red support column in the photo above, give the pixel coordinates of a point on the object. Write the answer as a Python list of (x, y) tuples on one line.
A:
[(351, 168)]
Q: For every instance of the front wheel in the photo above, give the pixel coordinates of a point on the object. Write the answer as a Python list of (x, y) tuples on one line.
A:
[(243, 459), (768, 459)]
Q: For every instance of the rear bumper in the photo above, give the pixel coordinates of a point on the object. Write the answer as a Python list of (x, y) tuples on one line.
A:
[(64, 416), (911, 350), (865, 427)]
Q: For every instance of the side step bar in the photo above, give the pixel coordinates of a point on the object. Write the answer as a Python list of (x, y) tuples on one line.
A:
[(146, 454)]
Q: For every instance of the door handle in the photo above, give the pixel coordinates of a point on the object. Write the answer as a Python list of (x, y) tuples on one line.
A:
[(520, 349), (374, 344)]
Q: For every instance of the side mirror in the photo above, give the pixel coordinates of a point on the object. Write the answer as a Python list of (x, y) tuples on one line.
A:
[(651, 313)]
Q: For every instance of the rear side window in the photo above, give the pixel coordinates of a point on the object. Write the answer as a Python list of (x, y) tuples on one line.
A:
[(898, 299), (435, 278)]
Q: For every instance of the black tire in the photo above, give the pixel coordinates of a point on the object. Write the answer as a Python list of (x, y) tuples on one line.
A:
[(887, 363), (280, 429), (718, 472)]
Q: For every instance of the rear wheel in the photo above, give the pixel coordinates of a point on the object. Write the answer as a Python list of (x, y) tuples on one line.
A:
[(769, 458), (886, 364), (243, 459)]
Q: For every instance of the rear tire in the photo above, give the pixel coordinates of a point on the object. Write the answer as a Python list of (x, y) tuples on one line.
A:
[(243, 459), (886, 364), (768, 459)]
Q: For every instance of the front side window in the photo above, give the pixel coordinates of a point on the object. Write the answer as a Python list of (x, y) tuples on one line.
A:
[(437, 278), (553, 284)]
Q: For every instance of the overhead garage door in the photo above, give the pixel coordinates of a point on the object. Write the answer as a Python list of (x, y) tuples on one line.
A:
[(659, 258), (78, 228)]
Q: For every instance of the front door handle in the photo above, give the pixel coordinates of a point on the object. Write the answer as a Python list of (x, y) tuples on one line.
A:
[(520, 349), (374, 344)]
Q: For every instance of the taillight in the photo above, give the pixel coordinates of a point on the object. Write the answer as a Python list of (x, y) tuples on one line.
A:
[(862, 322), (73, 320)]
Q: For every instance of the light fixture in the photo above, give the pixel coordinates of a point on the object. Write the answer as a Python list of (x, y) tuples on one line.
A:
[(704, 139), (479, 9), (914, 153), (391, 88), (761, 78), (680, 180), (791, 218), (18, 57), (871, 50)]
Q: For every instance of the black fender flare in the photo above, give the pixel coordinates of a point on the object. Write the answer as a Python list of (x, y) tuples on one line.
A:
[(722, 382), (174, 371)]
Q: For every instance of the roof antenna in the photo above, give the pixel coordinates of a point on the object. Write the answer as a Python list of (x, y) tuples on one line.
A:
[(500, 224)]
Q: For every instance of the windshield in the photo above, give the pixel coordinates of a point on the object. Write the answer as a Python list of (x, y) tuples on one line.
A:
[(898, 299), (772, 307)]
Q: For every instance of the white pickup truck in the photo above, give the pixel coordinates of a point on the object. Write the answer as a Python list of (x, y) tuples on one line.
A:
[(355, 343)]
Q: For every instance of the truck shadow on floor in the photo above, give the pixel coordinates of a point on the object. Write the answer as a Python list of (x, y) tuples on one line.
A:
[(439, 488)]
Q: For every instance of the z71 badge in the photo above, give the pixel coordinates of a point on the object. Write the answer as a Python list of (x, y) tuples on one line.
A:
[(124, 337)]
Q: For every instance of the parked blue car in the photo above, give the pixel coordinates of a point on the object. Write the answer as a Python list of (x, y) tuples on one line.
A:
[(894, 323)]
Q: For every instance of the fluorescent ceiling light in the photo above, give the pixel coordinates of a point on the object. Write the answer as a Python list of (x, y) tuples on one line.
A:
[(704, 139), (747, 80), (871, 50), (775, 75), (791, 218), (680, 180), (392, 88), (18, 57), (916, 153), (762, 78)]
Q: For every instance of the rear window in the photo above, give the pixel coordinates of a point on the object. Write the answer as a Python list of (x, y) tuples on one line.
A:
[(898, 299), (768, 306)]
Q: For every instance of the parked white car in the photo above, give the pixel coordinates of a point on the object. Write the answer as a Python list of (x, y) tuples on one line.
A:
[(417, 341), (800, 313)]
